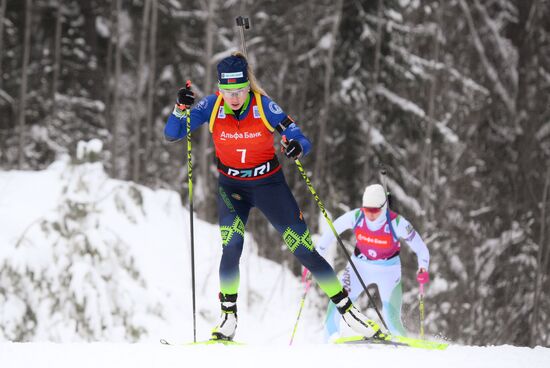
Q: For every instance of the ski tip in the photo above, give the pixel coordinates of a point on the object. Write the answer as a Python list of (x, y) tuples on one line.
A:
[(349, 339)]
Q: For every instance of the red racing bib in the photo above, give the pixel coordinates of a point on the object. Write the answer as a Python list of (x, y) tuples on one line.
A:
[(378, 244), (242, 143)]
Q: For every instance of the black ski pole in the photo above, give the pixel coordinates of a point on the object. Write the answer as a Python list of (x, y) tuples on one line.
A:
[(243, 23), (190, 184), (340, 242)]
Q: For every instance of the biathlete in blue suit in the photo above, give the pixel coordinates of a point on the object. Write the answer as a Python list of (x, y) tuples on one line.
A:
[(242, 120)]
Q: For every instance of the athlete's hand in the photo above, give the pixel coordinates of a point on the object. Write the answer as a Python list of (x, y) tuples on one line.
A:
[(422, 276), (186, 97), (306, 275), (292, 148)]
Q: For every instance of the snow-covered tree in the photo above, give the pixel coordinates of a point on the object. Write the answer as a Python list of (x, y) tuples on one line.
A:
[(71, 275)]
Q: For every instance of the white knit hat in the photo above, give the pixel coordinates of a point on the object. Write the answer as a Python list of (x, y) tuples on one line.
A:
[(374, 196)]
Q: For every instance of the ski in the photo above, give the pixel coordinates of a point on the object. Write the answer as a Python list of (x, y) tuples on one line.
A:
[(395, 341), (204, 342)]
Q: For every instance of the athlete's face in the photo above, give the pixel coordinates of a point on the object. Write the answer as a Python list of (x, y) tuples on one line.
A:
[(235, 98), (372, 213)]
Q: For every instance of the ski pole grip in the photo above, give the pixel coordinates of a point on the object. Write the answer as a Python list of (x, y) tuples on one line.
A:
[(423, 277), (243, 22), (305, 275)]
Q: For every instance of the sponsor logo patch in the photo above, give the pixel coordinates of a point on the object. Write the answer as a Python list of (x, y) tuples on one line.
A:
[(410, 237), (203, 104), (236, 196), (221, 113), (256, 112), (250, 173), (232, 75), (274, 108), (373, 240), (245, 135), (346, 280)]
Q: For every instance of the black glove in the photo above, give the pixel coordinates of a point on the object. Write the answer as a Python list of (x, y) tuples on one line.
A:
[(292, 148), (185, 97)]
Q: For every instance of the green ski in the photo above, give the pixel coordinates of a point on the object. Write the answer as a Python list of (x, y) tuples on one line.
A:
[(395, 341), (205, 342)]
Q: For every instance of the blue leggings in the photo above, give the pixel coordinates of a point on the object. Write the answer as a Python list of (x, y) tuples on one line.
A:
[(273, 198)]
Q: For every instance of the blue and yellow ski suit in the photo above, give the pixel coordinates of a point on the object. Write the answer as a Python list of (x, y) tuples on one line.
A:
[(250, 176)]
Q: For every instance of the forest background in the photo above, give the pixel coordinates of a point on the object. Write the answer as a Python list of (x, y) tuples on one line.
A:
[(451, 98)]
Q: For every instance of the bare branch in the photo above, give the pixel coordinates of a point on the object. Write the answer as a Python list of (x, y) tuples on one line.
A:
[(507, 52), (492, 74)]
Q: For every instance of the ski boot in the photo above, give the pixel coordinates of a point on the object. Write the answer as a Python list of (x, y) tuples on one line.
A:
[(225, 329), (381, 336), (354, 318)]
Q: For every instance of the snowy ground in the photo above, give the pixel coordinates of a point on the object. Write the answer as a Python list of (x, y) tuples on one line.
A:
[(13, 355)]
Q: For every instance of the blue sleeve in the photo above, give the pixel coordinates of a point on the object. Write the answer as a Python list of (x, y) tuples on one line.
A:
[(176, 127), (275, 115)]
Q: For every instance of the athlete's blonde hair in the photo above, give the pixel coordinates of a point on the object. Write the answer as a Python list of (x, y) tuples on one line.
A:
[(254, 85)]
